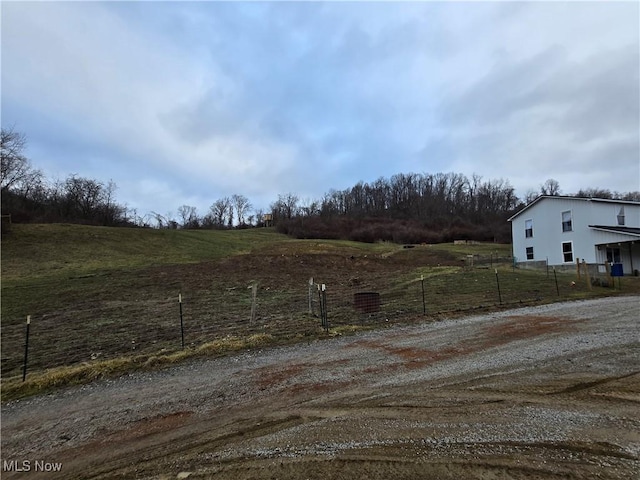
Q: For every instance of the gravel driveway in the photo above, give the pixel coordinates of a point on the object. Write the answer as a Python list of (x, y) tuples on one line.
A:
[(542, 392)]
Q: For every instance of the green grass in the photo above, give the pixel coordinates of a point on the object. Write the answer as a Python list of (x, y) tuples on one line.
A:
[(53, 250)]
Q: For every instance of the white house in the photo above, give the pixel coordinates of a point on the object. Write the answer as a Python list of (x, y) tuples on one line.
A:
[(559, 230)]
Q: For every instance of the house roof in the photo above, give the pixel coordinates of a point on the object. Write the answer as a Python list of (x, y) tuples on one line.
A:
[(635, 232), (560, 197)]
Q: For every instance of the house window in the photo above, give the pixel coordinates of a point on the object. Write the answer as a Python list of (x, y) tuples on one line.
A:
[(528, 228), (621, 216), (566, 221), (529, 253), (613, 255), (567, 251)]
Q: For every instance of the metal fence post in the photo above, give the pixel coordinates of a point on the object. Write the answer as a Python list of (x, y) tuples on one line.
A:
[(498, 282), (324, 300), (181, 322), (424, 304), (322, 294), (26, 350)]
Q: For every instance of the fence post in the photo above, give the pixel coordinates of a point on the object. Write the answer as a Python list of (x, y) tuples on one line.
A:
[(320, 304), (498, 282), (181, 322), (26, 350), (322, 296), (556, 278), (254, 294), (578, 267), (310, 296), (547, 264), (324, 302), (424, 305), (586, 274)]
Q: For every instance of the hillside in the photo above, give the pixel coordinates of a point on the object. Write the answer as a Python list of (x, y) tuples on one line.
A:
[(104, 300), (36, 250)]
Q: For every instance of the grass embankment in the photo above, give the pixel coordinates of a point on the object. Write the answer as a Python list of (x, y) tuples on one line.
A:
[(35, 251), (103, 300), (81, 284)]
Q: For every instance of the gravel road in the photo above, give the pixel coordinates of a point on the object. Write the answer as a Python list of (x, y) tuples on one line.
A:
[(541, 392)]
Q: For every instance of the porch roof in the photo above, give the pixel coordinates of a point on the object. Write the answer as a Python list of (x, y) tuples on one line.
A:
[(632, 232)]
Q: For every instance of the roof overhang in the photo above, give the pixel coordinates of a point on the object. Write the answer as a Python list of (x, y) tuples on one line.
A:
[(626, 234)]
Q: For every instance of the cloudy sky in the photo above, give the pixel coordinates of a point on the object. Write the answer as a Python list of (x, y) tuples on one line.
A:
[(184, 103)]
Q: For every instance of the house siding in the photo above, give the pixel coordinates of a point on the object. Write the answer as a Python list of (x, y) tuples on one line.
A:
[(548, 234)]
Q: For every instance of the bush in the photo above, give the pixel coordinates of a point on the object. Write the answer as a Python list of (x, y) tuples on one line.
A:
[(370, 230)]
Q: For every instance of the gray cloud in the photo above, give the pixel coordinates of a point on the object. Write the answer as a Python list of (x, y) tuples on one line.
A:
[(215, 98)]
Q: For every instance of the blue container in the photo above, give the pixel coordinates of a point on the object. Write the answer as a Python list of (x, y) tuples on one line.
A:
[(616, 270)]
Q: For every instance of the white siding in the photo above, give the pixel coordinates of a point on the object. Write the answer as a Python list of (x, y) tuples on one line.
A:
[(548, 236)]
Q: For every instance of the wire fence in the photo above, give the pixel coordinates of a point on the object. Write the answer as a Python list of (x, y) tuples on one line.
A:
[(166, 322)]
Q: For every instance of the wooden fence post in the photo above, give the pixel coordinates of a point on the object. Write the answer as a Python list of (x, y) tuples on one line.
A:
[(578, 267), (586, 274)]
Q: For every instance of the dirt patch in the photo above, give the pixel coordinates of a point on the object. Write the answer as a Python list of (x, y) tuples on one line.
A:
[(269, 376), (149, 426), (526, 326)]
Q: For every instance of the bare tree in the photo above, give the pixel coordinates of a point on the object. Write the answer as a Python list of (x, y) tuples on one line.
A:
[(83, 197), (285, 208), (220, 211), (259, 216), (550, 187), (632, 196), (161, 220), (530, 196), (242, 205), (595, 193), (309, 207), (15, 168), (230, 217), (189, 216)]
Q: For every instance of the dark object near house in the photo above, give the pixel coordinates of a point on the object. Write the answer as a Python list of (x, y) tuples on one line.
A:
[(367, 302), (616, 270)]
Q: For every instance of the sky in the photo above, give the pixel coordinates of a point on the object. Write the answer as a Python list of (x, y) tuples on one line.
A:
[(183, 103)]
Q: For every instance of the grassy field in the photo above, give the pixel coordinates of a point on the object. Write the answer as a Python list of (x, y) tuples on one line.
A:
[(104, 301)]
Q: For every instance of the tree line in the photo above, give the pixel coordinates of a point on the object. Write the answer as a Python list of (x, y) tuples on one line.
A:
[(416, 208), (405, 208), (29, 197)]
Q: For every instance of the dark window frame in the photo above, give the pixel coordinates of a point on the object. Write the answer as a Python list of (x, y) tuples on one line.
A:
[(528, 229), (620, 217), (567, 225)]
